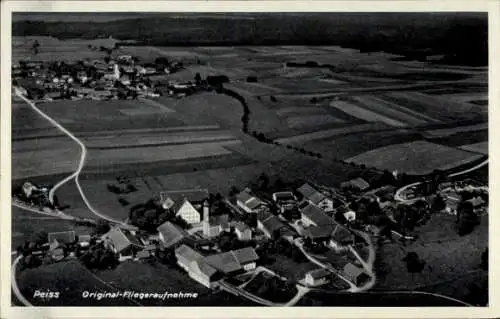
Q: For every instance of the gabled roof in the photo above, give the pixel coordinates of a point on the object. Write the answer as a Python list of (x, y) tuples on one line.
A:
[(188, 253), (244, 195), (342, 234), (317, 232), (171, 233), (270, 222), (311, 194), (122, 239), (225, 262), (241, 227), (248, 199), (192, 195), (204, 267), (219, 220), (319, 273), (65, 237), (245, 255), (315, 214), (352, 271), (84, 238)]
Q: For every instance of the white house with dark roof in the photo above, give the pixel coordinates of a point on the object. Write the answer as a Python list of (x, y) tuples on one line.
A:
[(234, 261), (319, 199), (249, 203), (122, 242), (269, 224), (187, 204)]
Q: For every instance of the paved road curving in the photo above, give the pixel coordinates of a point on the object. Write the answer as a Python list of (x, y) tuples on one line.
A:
[(81, 164), (13, 282), (399, 198)]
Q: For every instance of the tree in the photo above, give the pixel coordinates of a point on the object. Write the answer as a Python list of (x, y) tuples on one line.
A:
[(233, 191), (413, 263), (197, 79), (102, 227), (263, 181), (273, 98), (438, 203), (36, 45), (40, 238), (467, 218)]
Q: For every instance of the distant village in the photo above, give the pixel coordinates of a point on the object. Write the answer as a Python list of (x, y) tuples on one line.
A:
[(120, 77)]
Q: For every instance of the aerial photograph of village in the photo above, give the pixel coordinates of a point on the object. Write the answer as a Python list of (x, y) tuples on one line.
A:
[(249, 159)]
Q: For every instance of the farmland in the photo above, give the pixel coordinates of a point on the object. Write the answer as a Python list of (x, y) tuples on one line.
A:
[(418, 158)]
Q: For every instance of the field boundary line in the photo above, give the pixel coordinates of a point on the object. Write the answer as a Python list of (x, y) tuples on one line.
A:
[(76, 174)]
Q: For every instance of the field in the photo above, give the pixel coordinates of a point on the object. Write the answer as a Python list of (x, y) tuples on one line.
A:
[(481, 148), (25, 223), (452, 262), (418, 158)]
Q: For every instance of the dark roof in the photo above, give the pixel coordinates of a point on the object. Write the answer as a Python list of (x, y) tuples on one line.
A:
[(204, 267), (241, 226), (315, 214), (311, 194), (225, 262), (122, 239), (244, 195), (270, 222), (219, 220), (476, 201), (352, 271), (192, 195), (84, 238), (246, 255), (317, 232), (284, 196), (319, 273), (172, 233), (143, 254), (342, 234), (63, 237)]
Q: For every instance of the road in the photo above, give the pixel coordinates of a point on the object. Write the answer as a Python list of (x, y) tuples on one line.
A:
[(81, 164), (15, 288)]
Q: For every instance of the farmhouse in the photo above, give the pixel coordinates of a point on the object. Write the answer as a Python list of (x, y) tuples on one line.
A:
[(243, 232), (284, 200), (315, 197), (171, 234), (340, 237), (65, 237), (317, 277), (355, 274), (195, 265), (312, 215), (234, 261), (269, 224), (186, 204), (249, 203), (121, 242)]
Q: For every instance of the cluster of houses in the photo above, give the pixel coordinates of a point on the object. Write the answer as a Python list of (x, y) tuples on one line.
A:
[(61, 245), (115, 78)]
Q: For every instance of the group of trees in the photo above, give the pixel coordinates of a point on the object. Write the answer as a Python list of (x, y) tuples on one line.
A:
[(271, 288), (280, 246), (413, 263), (150, 215), (229, 241), (467, 219), (99, 257), (117, 189)]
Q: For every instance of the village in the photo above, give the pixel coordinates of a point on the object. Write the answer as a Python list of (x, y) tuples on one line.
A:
[(231, 243)]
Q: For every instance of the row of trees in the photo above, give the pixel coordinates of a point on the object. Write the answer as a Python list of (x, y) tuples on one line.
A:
[(99, 257)]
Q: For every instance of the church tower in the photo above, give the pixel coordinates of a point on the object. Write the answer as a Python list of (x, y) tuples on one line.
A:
[(206, 219)]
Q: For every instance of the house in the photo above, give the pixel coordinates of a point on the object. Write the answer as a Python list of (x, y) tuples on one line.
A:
[(143, 254), (317, 277), (84, 240), (355, 274), (341, 236), (349, 215), (122, 242), (57, 254), (65, 237), (284, 200), (243, 232), (234, 261), (357, 184), (269, 224), (195, 265), (312, 215), (315, 197), (186, 204), (319, 233), (249, 203), (171, 234)]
